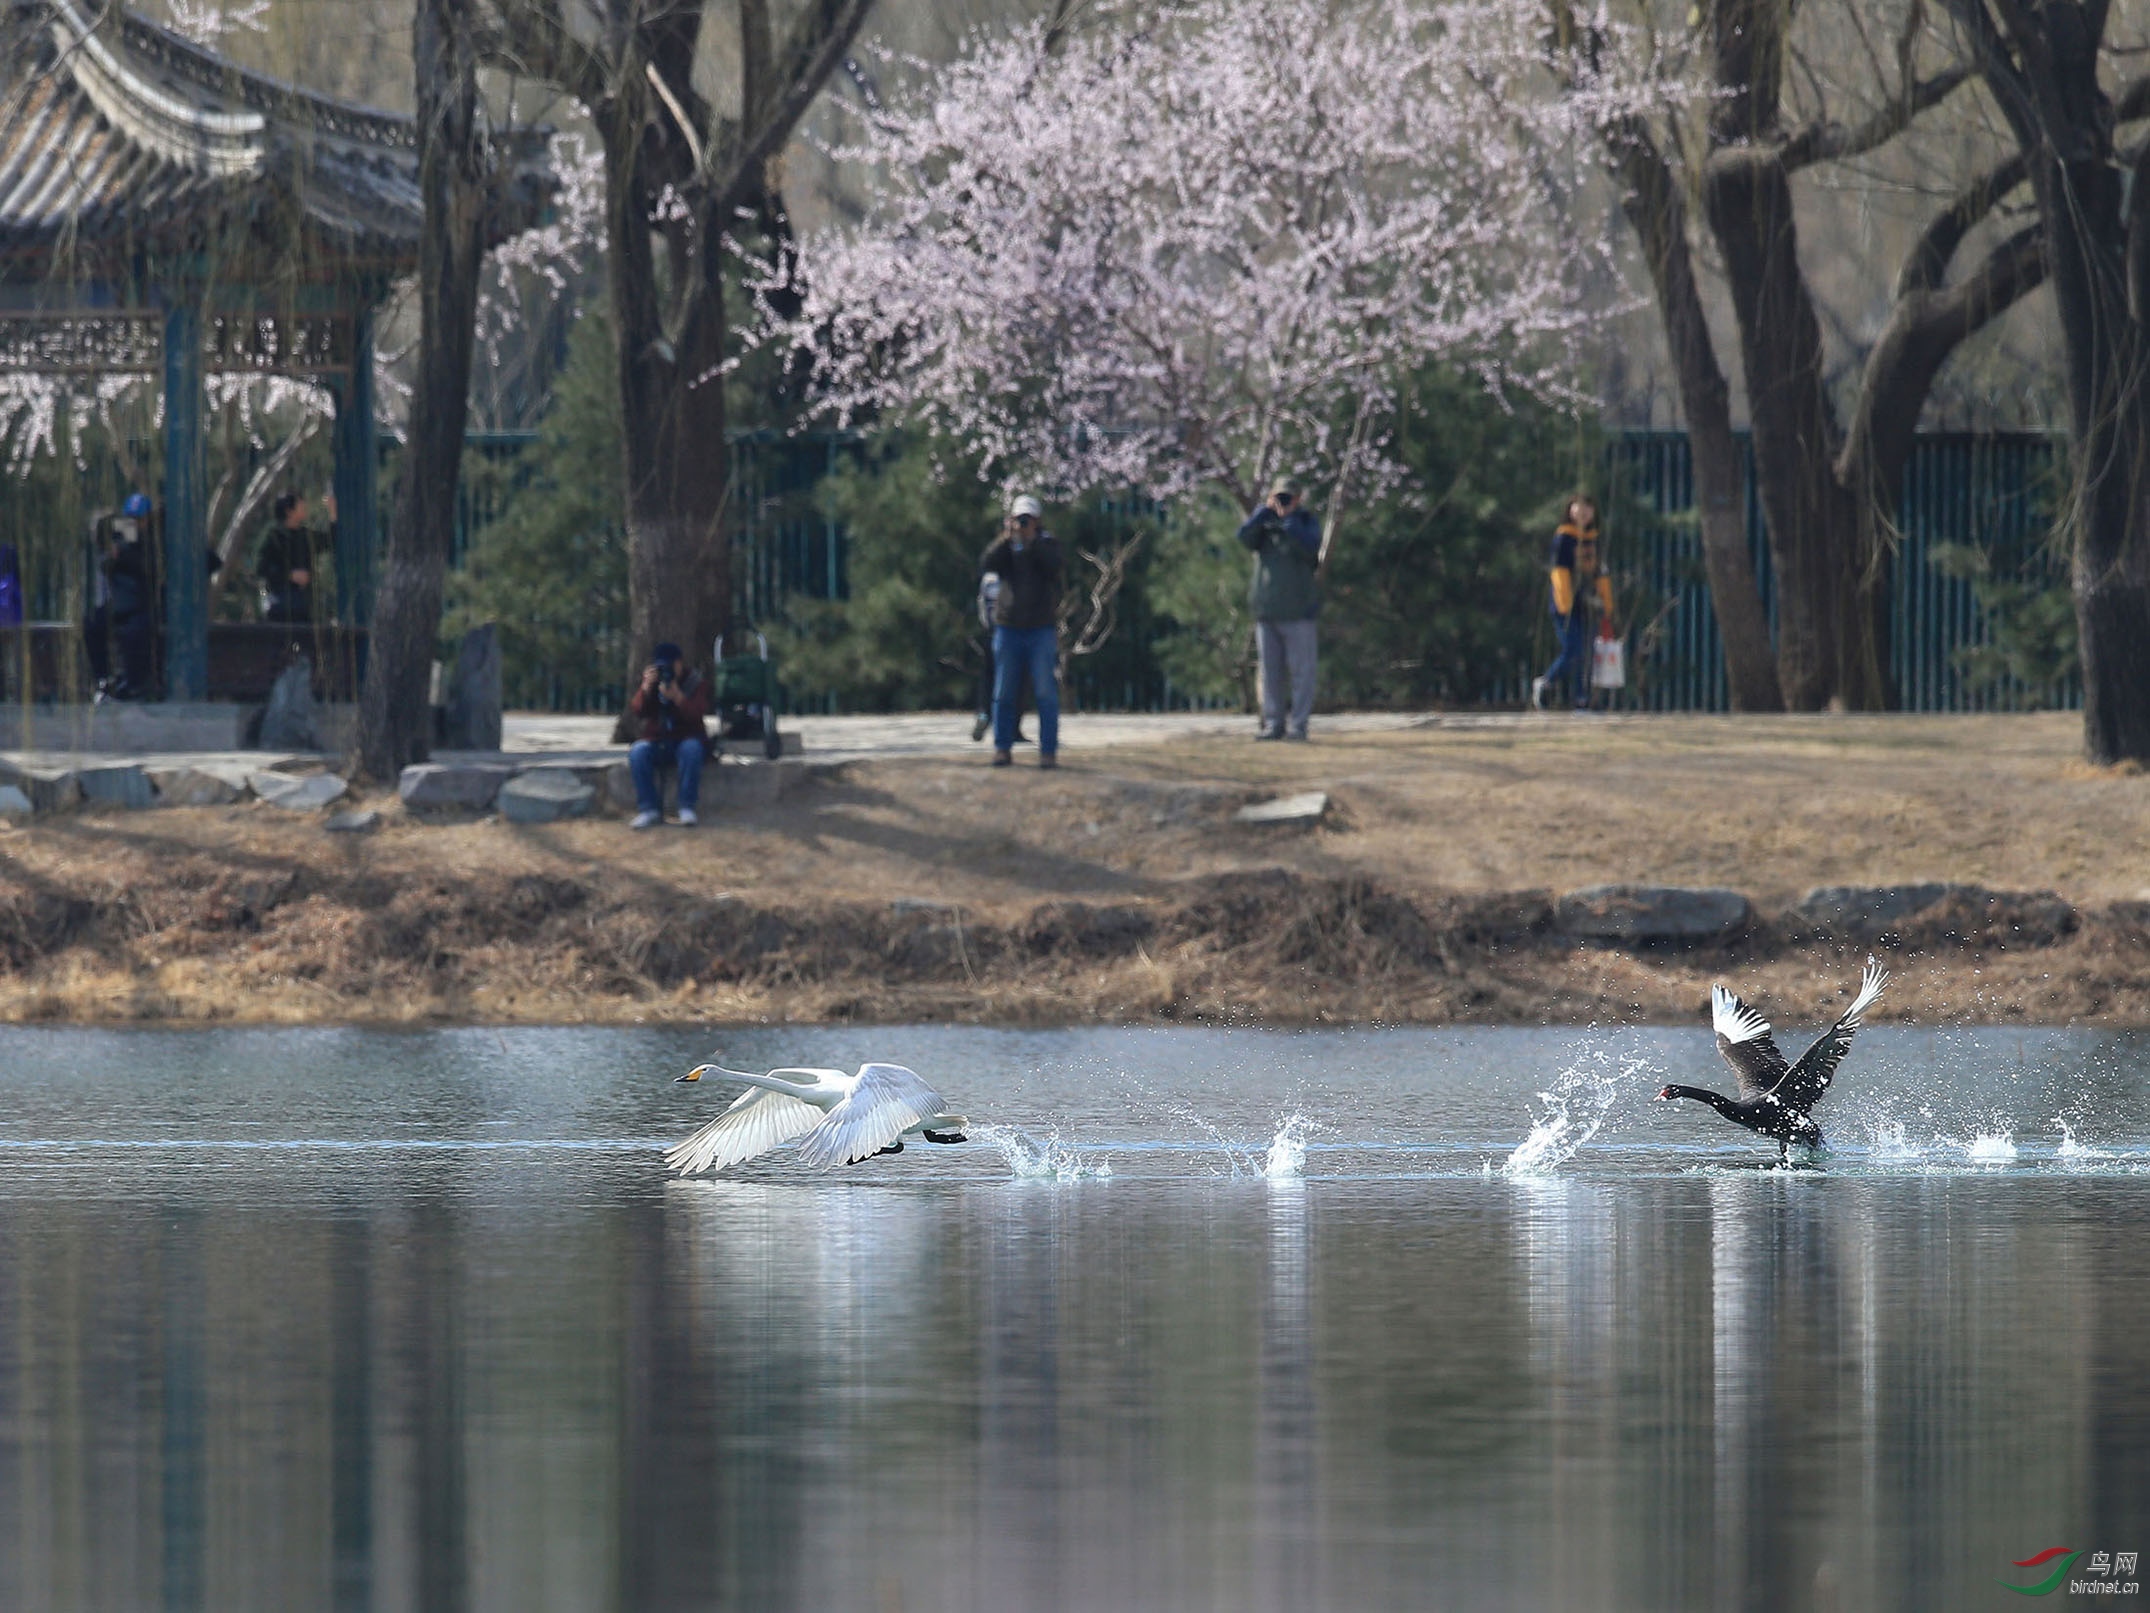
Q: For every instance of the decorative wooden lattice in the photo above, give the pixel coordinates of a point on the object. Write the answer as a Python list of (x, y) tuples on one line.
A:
[(81, 343), (132, 342)]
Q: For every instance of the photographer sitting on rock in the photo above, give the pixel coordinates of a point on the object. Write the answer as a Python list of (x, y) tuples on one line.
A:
[(671, 708)]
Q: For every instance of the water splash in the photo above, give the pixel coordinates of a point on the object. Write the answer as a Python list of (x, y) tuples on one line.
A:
[(1287, 1149), (1888, 1140), (1041, 1159), (1989, 1147), (2071, 1148), (1580, 1102)]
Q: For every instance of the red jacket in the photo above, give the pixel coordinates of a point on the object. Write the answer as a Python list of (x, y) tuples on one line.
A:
[(661, 719)]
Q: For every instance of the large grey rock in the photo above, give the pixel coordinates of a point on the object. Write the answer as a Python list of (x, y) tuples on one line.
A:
[(287, 723), (124, 785), (1651, 913), (1871, 909), (1305, 808), (452, 786), (470, 693), (308, 794), (545, 795), (50, 787), (183, 784), (13, 803)]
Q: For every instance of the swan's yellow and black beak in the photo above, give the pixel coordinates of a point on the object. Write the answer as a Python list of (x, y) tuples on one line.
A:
[(694, 1074)]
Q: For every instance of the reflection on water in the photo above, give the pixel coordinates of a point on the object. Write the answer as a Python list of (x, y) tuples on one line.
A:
[(393, 1321)]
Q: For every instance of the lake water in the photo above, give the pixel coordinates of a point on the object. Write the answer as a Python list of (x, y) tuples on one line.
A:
[(1197, 1320)]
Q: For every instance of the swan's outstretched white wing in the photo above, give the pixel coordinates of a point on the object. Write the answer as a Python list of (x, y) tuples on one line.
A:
[(756, 1122), (887, 1102)]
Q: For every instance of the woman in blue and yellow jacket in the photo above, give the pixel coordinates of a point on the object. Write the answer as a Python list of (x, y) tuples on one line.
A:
[(1580, 589)]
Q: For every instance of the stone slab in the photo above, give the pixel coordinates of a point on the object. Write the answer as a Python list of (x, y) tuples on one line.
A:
[(358, 821), (1652, 913), (50, 787), (545, 795), (470, 693), (733, 783), (453, 786), (13, 803), (130, 728), (308, 794), (122, 785), (1306, 807), (198, 785)]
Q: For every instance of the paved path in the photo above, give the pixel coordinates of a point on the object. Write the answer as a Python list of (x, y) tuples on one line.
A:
[(945, 733)]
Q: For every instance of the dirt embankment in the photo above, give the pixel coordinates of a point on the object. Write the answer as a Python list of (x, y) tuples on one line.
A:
[(206, 944), (1121, 888)]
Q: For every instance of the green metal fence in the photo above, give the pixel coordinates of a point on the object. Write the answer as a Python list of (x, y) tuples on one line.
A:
[(1995, 492)]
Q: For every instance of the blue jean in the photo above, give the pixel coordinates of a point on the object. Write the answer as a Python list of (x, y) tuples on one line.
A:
[(648, 755), (1572, 632), (1015, 650)]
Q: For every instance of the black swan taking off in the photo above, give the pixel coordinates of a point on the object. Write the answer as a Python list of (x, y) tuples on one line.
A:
[(1774, 1097)]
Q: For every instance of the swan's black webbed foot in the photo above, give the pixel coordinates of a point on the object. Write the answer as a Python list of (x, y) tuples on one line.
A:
[(946, 1137), (895, 1147)]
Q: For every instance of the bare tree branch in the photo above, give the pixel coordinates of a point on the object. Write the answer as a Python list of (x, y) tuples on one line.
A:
[(818, 41), (1829, 141), (1926, 266)]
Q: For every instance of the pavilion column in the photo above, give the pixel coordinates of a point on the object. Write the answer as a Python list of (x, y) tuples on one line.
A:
[(356, 462), (186, 576)]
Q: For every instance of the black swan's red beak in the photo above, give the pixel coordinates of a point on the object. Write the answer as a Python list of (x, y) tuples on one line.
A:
[(1664, 1093)]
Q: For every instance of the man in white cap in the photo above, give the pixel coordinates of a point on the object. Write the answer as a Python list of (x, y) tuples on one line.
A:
[(1026, 637), (1286, 594)]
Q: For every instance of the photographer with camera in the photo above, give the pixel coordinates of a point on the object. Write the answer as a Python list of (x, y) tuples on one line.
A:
[(672, 707), (1286, 540)]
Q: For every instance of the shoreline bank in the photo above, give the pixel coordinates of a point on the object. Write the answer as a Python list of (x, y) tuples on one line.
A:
[(1446, 878), (1264, 947)]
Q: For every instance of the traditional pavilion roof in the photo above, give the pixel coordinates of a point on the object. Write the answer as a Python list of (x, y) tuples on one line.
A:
[(128, 135)]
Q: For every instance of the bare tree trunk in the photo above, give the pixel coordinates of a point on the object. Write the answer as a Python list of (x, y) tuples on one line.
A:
[(678, 174), (395, 720), (1656, 210), (1812, 523), (2041, 64), (675, 459)]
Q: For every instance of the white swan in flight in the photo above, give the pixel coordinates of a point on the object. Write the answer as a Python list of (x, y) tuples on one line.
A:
[(841, 1118)]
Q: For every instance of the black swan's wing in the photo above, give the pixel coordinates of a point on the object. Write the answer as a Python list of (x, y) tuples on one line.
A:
[(1806, 1081), (1743, 1038)]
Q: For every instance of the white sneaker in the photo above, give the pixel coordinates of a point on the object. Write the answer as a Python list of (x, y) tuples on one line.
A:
[(687, 819), (1537, 694), (646, 820)]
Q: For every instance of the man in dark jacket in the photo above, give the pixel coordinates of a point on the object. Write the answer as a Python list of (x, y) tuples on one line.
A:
[(1026, 634), (1286, 540), (670, 708), (286, 561)]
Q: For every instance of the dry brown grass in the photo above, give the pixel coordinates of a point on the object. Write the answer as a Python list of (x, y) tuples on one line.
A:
[(1118, 888)]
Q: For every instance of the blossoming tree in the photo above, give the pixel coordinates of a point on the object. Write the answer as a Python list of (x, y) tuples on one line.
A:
[(1188, 245)]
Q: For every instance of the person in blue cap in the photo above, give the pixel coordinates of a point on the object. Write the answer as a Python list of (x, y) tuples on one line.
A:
[(671, 709)]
